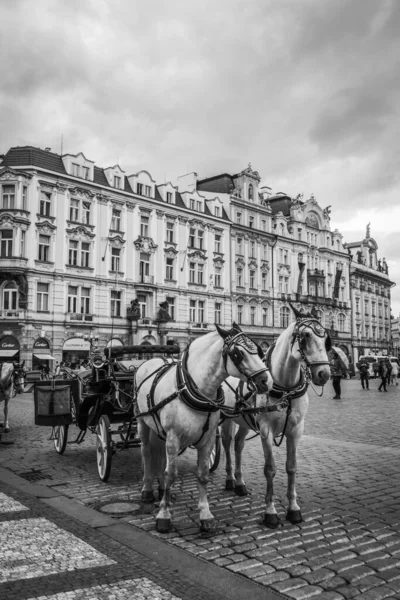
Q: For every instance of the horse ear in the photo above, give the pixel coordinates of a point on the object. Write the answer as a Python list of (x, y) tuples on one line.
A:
[(23, 363), (236, 326), (224, 334), (297, 313)]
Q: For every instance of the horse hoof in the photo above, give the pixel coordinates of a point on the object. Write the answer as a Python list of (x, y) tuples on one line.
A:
[(294, 516), (147, 497), (163, 525), (160, 493), (241, 490), (230, 485), (208, 525), (6, 430), (271, 520)]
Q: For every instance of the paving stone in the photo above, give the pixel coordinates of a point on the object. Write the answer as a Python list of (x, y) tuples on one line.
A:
[(308, 591), (376, 594), (318, 576)]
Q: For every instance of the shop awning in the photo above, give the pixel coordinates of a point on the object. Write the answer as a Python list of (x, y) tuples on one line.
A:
[(44, 356), (7, 353)]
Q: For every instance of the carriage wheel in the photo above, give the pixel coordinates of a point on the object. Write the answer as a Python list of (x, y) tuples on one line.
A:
[(60, 438), (104, 448), (215, 453)]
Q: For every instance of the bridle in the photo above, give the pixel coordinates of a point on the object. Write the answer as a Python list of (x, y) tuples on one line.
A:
[(320, 331), (235, 345)]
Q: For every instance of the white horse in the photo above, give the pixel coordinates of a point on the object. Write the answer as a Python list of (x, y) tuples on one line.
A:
[(180, 403), (12, 378), (298, 356)]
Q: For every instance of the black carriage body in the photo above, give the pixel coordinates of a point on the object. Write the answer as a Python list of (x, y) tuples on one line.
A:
[(56, 401)]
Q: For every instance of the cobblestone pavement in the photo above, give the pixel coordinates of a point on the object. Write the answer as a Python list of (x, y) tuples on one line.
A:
[(348, 486)]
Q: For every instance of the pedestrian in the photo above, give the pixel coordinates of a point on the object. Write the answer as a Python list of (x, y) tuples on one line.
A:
[(363, 367), (383, 374), (395, 373), (375, 368), (337, 374), (57, 369)]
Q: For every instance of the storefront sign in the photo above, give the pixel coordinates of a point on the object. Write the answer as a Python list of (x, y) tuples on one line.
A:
[(9, 342), (41, 343), (77, 344)]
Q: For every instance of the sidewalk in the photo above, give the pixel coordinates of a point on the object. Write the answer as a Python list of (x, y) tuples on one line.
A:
[(55, 548)]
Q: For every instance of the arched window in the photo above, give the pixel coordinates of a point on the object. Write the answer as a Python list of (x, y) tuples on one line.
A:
[(341, 322), (284, 315), (251, 192), (10, 296)]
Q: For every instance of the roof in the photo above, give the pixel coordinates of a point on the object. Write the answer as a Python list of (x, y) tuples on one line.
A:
[(280, 203), (222, 184), (36, 157)]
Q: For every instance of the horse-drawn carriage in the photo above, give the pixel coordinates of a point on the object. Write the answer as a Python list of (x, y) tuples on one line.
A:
[(101, 401)]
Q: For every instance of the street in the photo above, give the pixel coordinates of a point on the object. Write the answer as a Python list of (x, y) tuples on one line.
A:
[(348, 487)]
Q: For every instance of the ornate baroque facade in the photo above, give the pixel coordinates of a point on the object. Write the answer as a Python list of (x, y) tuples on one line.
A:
[(94, 255)]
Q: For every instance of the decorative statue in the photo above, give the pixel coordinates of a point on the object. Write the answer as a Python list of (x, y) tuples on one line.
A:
[(359, 256), (368, 232), (384, 266), (379, 265), (163, 315), (133, 311), (327, 212)]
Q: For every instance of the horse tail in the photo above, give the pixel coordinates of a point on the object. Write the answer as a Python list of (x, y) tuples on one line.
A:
[(157, 455)]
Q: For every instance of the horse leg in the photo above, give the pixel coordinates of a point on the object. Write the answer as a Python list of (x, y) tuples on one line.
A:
[(226, 437), (147, 489), (293, 513), (271, 518), (163, 519), (240, 487), (207, 521), (6, 423)]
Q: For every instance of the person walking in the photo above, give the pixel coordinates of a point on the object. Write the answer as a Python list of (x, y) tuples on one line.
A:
[(337, 374), (363, 367), (394, 373), (383, 374)]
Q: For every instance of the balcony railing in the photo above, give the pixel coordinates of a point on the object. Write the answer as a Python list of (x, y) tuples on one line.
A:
[(79, 317), (146, 279), (11, 314)]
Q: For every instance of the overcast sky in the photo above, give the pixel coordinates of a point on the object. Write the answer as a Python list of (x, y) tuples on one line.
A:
[(308, 91)]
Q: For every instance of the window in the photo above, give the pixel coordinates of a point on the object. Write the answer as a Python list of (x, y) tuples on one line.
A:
[(196, 237), (139, 189), (171, 307), (85, 254), (196, 311), (170, 232), (45, 204), (6, 243), (217, 312), (85, 172), (264, 281), (147, 191), (284, 316), (251, 222), (169, 197), (201, 311), (263, 224), (217, 211), (144, 226), (73, 253), (8, 196), (264, 316), (144, 266), (217, 243), (85, 301), (22, 244), (24, 197), (115, 259), (72, 298), (252, 249), (284, 284), (10, 295), (200, 272), (44, 247), (191, 203), (192, 272), (75, 170), (239, 277), (42, 297), (239, 218), (86, 213), (198, 205), (341, 322), (357, 304), (252, 315), (240, 314), (169, 271), (74, 210), (251, 192), (264, 251), (217, 278), (299, 234), (116, 220), (192, 311), (200, 239), (117, 182), (282, 229), (252, 279), (116, 303), (142, 299), (239, 246)]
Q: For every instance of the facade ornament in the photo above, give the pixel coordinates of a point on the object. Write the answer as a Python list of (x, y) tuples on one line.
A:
[(133, 311), (80, 231), (46, 227), (163, 315), (327, 211), (130, 206), (183, 219), (145, 244), (368, 232)]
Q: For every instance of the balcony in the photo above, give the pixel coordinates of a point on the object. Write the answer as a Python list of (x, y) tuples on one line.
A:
[(79, 317), (146, 279), (12, 314)]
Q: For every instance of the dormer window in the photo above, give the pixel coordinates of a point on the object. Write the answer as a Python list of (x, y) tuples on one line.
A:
[(217, 211), (117, 182), (198, 205), (75, 170), (147, 191), (169, 197), (191, 203), (251, 192), (85, 172), (139, 189)]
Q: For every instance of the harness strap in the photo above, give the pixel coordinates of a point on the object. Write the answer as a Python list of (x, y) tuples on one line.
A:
[(191, 394)]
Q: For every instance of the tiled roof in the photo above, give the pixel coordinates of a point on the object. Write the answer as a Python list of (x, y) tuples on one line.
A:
[(100, 177), (221, 184), (280, 203), (35, 157)]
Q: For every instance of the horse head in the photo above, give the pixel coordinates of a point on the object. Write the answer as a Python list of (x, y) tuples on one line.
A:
[(311, 341), (19, 375), (246, 358)]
